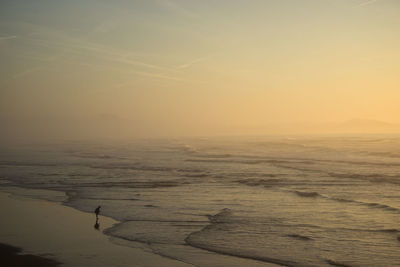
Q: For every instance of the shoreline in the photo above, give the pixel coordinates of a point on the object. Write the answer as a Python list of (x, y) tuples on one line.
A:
[(63, 234), (42, 225)]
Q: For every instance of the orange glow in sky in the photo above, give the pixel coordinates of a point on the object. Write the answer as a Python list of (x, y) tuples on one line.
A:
[(89, 68)]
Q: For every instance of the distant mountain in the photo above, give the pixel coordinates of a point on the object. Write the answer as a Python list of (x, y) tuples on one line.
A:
[(353, 126), (367, 126), (365, 122)]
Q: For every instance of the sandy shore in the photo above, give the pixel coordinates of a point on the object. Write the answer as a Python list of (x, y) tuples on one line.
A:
[(47, 230), (66, 235)]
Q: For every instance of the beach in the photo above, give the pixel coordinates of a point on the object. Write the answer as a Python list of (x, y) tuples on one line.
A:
[(38, 232), (64, 234)]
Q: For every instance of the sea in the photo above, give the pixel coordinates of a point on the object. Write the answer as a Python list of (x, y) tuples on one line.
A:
[(285, 201)]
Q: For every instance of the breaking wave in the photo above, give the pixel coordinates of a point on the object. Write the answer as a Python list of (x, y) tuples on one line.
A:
[(307, 194), (337, 263), (367, 204), (375, 177), (221, 217), (261, 182), (300, 237)]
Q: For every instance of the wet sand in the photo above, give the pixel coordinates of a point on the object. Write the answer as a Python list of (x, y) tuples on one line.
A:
[(11, 256), (62, 234)]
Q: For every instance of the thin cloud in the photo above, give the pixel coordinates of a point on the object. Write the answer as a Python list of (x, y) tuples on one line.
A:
[(26, 72), (159, 76), (78, 46), (37, 57), (190, 63), (368, 3), (148, 74), (2, 38), (105, 27), (179, 9), (112, 56), (52, 39)]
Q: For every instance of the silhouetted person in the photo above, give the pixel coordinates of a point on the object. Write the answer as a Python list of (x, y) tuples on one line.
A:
[(97, 211)]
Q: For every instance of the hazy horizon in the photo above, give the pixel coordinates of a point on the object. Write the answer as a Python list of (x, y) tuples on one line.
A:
[(164, 68)]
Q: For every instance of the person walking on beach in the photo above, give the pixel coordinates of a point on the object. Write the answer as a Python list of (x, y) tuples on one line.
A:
[(97, 211)]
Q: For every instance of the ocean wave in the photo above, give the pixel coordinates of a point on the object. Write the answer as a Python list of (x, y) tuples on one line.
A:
[(110, 199), (136, 167), (151, 206), (87, 195), (48, 174), (125, 184), (111, 232), (380, 206), (297, 168), (374, 177), (300, 237), (191, 242), (220, 216), (154, 235), (383, 154), (254, 159), (260, 182), (215, 156), (82, 175), (203, 239), (337, 263), (91, 155), (307, 194), (367, 204), (188, 172), (188, 148), (327, 228), (239, 161), (95, 156), (387, 230), (28, 164), (154, 231), (198, 175)]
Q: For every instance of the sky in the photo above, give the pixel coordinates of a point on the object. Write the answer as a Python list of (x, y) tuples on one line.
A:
[(165, 68)]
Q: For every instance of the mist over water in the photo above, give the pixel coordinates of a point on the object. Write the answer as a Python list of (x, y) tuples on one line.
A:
[(306, 201)]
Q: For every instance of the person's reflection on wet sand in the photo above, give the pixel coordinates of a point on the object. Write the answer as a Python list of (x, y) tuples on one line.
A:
[(97, 224)]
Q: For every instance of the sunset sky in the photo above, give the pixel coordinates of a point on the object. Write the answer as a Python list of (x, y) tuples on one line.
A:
[(122, 68)]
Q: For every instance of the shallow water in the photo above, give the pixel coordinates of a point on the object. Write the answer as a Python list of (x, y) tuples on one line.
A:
[(307, 201)]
